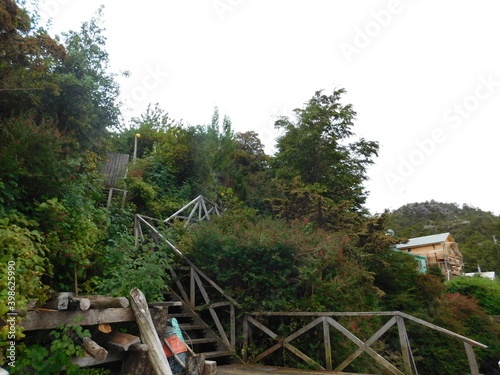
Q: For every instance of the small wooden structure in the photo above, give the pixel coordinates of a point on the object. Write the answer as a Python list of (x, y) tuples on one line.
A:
[(440, 249), (114, 169), (199, 209)]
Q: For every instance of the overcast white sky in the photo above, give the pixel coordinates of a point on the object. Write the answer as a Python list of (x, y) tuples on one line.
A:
[(423, 77)]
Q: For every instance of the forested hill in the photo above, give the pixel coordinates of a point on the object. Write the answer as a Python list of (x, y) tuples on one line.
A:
[(473, 229)]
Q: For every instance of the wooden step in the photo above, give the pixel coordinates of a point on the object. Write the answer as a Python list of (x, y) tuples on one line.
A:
[(222, 353), (203, 340), (192, 327), (180, 315)]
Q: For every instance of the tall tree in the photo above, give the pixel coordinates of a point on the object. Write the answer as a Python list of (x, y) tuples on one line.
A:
[(88, 104), (316, 147), (28, 57)]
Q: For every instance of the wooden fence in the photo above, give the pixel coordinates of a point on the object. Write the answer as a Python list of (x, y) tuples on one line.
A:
[(203, 295), (326, 319)]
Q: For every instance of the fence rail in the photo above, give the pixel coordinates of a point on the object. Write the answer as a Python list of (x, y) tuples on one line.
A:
[(326, 319)]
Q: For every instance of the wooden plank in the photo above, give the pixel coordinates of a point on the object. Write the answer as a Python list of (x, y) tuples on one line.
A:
[(220, 328), (214, 315), (213, 305), (148, 333), (122, 341), (262, 327), (326, 313), (36, 320), (304, 357), (304, 329), (405, 346), (443, 330), (265, 353), (192, 289), (200, 286), (328, 345), (369, 342), (115, 168), (89, 361), (377, 357), (233, 327), (472, 359), (179, 285), (246, 337)]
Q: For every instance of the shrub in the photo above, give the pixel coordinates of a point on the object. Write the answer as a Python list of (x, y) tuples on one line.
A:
[(484, 290)]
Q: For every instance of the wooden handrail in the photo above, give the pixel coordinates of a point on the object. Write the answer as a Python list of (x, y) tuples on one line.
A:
[(326, 318), (197, 277)]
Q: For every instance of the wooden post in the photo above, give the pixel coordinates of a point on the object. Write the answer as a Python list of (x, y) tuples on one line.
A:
[(328, 345), (246, 334), (405, 346), (148, 333), (472, 359)]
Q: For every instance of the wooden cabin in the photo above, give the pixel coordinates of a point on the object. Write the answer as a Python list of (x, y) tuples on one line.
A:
[(440, 249)]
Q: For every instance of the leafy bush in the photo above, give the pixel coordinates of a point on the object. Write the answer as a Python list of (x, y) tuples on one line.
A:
[(271, 265), (23, 261), (123, 267), (51, 354), (484, 290)]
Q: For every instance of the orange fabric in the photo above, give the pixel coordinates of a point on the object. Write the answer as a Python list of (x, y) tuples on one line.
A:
[(175, 343)]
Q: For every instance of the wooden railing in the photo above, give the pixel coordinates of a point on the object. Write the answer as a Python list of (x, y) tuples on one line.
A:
[(195, 288), (202, 294), (326, 319)]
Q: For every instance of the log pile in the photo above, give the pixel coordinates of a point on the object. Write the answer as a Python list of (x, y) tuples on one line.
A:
[(140, 355)]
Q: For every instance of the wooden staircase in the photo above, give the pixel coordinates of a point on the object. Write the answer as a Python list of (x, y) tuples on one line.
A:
[(198, 335)]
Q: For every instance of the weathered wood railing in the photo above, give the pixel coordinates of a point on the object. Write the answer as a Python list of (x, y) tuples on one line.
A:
[(326, 319), (195, 288), (202, 294)]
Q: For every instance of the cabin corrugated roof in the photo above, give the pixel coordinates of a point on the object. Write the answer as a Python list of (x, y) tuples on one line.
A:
[(425, 240)]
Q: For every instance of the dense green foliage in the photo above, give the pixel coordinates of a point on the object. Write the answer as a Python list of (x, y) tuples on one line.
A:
[(294, 235)]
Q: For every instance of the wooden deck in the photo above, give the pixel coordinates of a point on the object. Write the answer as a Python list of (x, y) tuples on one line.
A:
[(268, 370)]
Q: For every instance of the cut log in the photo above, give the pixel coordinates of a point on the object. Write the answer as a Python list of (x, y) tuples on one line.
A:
[(148, 333), (78, 303), (122, 341), (104, 328), (104, 302), (59, 303), (94, 349)]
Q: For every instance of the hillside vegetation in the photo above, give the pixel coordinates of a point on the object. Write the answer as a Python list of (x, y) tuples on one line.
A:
[(294, 235)]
